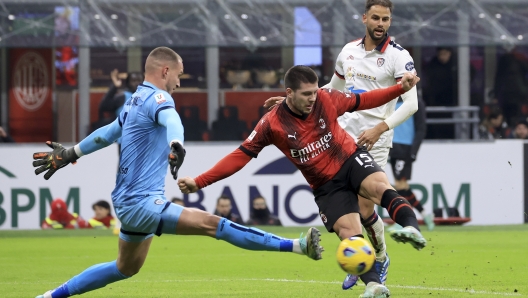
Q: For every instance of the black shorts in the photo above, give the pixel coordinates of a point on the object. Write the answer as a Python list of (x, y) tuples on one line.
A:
[(401, 168), (338, 196)]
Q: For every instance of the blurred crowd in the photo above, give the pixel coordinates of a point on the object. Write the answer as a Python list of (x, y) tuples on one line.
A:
[(504, 110)]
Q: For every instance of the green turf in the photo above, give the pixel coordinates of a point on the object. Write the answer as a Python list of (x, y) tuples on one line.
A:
[(458, 262)]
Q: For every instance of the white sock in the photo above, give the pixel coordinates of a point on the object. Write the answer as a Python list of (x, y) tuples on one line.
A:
[(423, 213), (376, 234), (297, 247)]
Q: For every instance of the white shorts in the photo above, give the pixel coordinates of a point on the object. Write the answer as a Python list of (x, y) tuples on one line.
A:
[(380, 155)]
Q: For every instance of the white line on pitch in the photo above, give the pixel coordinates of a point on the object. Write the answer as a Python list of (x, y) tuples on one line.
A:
[(470, 291)]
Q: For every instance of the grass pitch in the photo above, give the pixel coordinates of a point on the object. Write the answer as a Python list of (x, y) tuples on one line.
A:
[(458, 262)]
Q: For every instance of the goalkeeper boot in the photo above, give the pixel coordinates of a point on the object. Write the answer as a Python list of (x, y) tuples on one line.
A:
[(383, 268), (350, 281), (429, 221), (411, 235), (310, 244), (375, 290)]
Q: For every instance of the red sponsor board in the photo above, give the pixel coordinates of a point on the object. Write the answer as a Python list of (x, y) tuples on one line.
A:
[(30, 95)]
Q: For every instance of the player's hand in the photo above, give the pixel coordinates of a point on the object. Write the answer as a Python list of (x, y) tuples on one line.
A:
[(114, 75), (176, 157), (187, 185), (273, 101), (54, 160), (409, 80), (370, 136)]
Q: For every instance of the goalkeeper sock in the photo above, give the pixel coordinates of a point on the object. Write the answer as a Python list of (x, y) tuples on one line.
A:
[(251, 238), (375, 231), (399, 209), (95, 277)]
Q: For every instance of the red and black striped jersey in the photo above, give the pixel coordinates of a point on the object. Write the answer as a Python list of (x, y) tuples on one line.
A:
[(314, 142)]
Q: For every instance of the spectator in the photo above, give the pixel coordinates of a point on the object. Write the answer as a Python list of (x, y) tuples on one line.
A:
[(4, 137), (511, 82), (260, 214), (103, 218), (223, 209), (493, 126), (178, 201), (113, 101), (60, 218), (228, 127), (440, 89), (520, 131)]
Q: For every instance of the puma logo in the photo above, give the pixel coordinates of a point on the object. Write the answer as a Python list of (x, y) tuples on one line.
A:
[(292, 136)]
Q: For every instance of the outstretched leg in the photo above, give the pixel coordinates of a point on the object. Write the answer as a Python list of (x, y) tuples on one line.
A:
[(376, 188), (403, 188), (130, 259), (198, 222)]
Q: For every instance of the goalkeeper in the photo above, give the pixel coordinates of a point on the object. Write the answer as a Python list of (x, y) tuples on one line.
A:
[(151, 130)]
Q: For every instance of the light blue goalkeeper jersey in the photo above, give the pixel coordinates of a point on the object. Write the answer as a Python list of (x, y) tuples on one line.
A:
[(144, 148)]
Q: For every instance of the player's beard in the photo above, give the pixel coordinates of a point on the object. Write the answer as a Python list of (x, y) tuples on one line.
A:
[(373, 36)]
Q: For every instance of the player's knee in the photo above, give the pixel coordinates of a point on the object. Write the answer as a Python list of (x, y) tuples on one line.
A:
[(209, 223), (129, 269), (347, 227), (347, 232), (366, 207)]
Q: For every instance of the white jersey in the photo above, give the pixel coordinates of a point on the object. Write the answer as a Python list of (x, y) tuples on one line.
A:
[(364, 71)]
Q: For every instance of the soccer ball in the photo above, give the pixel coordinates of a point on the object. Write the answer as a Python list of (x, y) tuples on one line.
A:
[(355, 255)]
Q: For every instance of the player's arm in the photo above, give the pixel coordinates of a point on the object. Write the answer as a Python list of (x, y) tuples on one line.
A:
[(170, 119), (234, 161), (350, 102), (337, 82), (227, 166), (406, 110), (61, 157), (401, 65), (409, 106), (420, 128)]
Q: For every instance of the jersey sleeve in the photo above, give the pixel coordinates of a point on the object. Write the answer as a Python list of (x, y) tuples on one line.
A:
[(259, 138), (403, 63), (343, 102), (339, 72), (161, 100)]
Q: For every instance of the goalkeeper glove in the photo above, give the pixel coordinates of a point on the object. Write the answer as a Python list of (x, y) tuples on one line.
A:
[(54, 160), (176, 157)]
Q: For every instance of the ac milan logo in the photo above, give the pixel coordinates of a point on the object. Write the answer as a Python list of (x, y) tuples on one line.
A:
[(323, 218), (30, 82), (381, 61), (322, 123)]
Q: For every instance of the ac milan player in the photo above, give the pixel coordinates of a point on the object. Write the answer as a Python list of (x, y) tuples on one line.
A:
[(305, 128)]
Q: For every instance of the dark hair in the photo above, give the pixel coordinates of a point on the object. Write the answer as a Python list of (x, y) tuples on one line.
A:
[(103, 204), (495, 112), (384, 3), (297, 74), (223, 197)]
